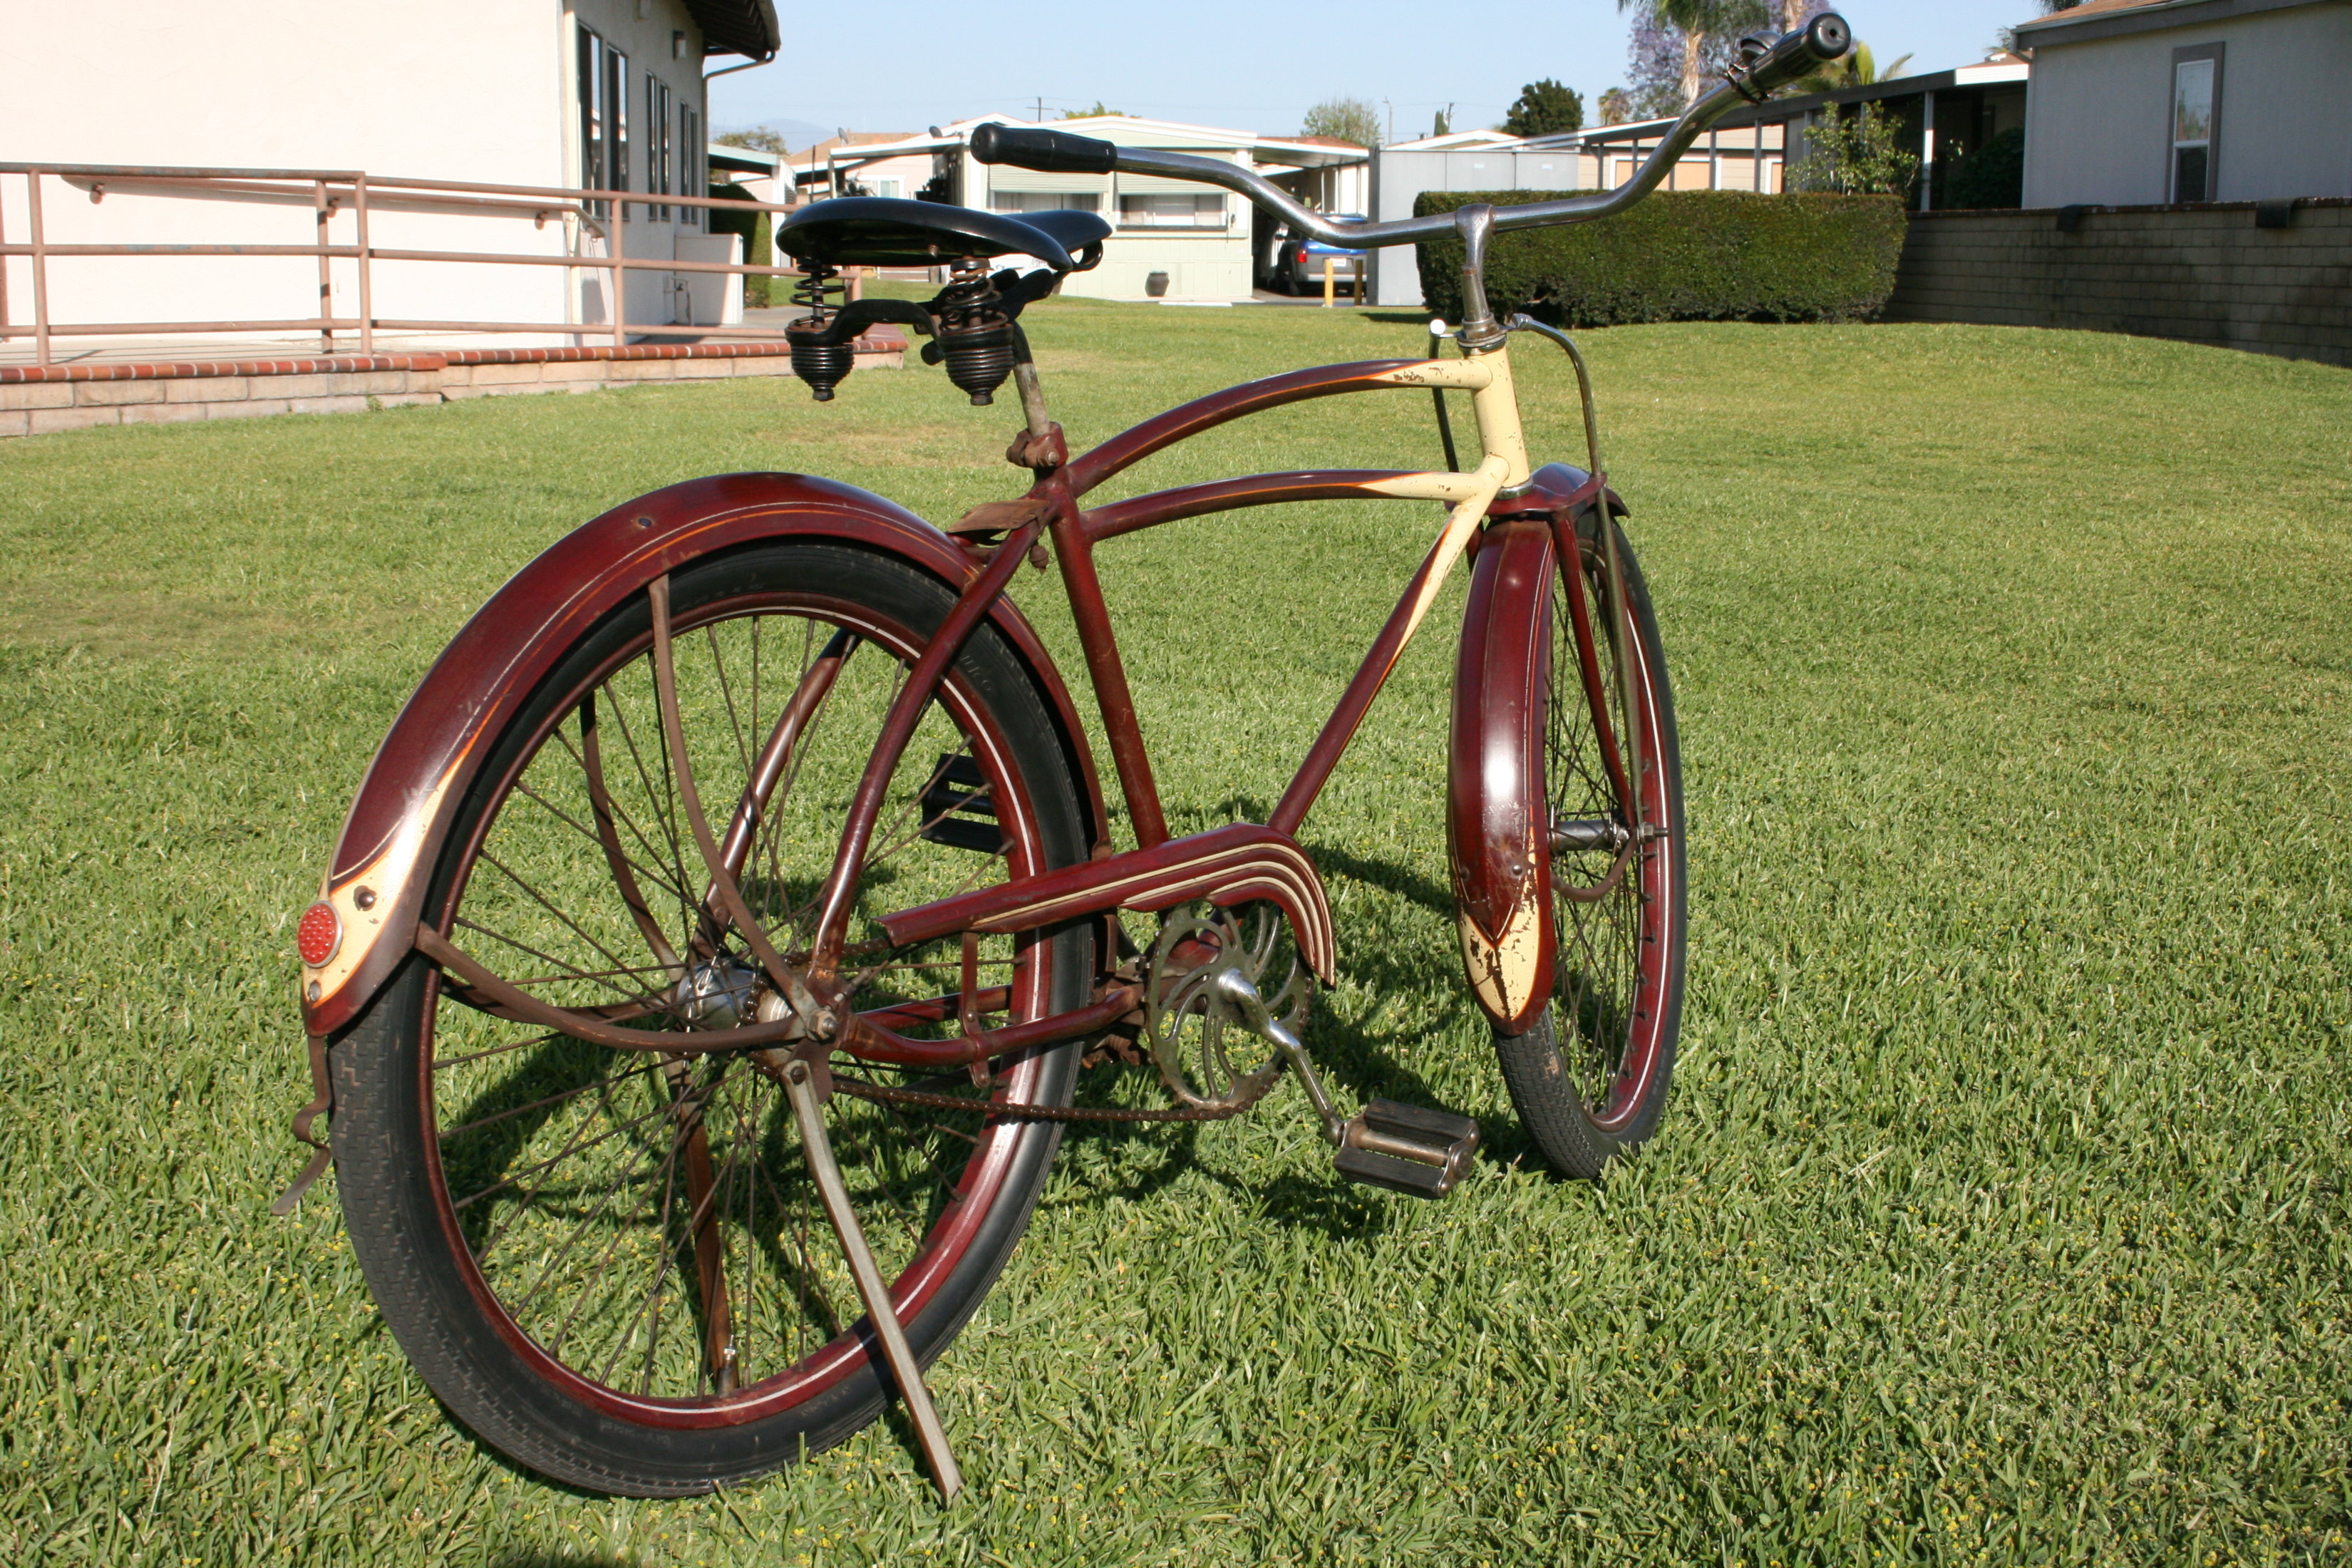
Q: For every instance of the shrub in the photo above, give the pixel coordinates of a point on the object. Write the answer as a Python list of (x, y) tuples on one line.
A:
[(1681, 256), (1991, 176), (757, 248)]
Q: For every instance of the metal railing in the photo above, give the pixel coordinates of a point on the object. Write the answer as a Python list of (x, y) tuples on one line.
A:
[(330, 192)]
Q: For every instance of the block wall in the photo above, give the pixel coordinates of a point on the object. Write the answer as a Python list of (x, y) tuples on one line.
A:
[(2203, 274)]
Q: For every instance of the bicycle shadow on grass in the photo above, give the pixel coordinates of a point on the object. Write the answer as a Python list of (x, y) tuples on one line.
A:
[(1367, 1063)]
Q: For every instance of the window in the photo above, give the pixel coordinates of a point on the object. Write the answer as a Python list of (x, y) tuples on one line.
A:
[(1157, 211), (1037, 201), (603, 77), (658, 144), (2196, 122), (890, 188), (694, 163)]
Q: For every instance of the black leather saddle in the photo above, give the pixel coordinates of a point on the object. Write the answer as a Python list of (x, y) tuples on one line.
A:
[(883, 231)]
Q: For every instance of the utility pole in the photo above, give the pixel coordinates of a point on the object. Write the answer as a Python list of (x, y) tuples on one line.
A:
[(1041, 112)]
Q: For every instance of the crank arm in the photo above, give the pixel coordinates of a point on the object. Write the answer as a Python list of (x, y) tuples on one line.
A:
[(1234, 989)]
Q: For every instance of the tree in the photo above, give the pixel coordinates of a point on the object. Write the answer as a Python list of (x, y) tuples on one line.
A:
[(1545, 108), (1857, 155), (1857, 69), (759, 139), (1354, 121), (1687, 28), (1616, 106), (1099, 109), (1443, 125)]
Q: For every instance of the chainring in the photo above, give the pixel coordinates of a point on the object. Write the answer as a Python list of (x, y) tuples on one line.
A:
[(1193, 1032)]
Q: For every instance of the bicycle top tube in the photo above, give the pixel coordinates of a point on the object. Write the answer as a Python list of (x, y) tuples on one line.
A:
[(1823, 39)]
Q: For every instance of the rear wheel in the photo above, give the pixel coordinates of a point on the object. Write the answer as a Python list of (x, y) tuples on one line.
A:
[(1588, 1080), (612, 1264)]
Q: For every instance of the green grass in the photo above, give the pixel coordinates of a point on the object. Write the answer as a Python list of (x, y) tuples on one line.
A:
[(1999, 1214)]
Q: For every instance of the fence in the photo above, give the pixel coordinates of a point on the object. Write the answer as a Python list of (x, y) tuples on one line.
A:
[(601, 212)]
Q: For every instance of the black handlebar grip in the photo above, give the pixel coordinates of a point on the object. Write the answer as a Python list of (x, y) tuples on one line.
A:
[(1820, 41), (1051, 152)]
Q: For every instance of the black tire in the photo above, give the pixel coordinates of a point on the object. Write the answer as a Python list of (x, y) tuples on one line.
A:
[(1590, 1080), (461, 1313)]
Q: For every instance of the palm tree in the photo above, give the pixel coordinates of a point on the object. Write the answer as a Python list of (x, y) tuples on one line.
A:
[(1857, 69)]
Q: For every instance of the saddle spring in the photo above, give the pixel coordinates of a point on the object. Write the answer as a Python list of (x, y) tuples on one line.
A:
[(823, 365), (975, 335)]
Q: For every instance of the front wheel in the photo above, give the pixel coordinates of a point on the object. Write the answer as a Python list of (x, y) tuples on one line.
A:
[(611, 1264), (1589, 1078)]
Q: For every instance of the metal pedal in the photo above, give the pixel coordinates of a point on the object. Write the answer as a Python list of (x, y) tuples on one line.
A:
[(1407, 1149), (959, 786)]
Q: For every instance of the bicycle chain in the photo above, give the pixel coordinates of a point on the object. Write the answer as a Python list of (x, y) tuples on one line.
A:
[(886, 1096)]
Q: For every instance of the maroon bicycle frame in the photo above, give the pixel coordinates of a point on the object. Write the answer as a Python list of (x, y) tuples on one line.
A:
[(406, 804)]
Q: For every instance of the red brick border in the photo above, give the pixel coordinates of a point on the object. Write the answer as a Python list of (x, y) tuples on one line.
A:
[(881, 339)]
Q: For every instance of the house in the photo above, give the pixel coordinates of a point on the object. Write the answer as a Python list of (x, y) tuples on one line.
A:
[(542, 94), (2140, 102), (1943, 115), (846, 165), (1172, 239)]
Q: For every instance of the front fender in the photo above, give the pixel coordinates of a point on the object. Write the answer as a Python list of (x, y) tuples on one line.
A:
[(392, 839), (1497, 819)]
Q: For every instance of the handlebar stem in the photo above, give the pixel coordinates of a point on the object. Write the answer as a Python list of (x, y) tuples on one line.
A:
[(1475, 224)]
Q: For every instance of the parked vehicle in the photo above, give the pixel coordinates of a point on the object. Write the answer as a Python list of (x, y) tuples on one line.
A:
[(1296, 266)]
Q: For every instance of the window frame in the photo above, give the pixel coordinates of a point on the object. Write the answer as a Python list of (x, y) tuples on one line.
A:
[(2192, 54)]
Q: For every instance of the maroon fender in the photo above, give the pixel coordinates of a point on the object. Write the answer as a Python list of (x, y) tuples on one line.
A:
[(376, 883), (1497, 823)]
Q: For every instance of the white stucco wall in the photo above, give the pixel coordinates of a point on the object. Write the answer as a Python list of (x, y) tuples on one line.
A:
[(2097, 123), (462, 90)]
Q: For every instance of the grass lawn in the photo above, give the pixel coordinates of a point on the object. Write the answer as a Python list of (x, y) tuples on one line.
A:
[(2000, 1212)]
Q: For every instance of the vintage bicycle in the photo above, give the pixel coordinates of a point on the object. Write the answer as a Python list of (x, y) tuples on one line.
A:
[(703, 974)]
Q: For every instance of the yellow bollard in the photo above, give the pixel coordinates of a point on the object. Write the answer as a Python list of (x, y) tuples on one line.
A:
[(1327, 281)]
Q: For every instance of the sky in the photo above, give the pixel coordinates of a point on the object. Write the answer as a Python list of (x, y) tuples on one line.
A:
[(917, 63)]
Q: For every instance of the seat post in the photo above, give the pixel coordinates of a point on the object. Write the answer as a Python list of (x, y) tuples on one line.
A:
[(1033, 395)]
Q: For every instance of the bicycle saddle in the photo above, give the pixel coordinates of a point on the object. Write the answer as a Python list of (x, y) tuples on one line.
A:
[(884, 231)]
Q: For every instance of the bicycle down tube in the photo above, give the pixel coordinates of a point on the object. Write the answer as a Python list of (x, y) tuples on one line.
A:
[(1503, 466)]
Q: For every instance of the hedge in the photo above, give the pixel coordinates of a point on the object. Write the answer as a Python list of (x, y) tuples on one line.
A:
[(753, 228), (1680, 256)]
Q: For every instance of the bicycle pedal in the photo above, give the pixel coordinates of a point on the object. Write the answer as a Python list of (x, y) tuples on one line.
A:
[(1407, 1149)]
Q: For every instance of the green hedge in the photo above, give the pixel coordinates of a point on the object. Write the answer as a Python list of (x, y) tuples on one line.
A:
[(753, 227), (1680, 256)]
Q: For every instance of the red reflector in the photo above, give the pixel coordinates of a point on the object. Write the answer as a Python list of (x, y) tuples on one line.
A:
[(319, 933)]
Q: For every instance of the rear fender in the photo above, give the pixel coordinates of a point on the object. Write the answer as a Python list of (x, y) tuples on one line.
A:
[(1498, 827), (391, 840)]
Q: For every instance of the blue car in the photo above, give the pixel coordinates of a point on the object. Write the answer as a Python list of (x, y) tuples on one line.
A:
[(1297, 266)]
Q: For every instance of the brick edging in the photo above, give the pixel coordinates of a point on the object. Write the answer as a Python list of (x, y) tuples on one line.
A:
[(882, 340)]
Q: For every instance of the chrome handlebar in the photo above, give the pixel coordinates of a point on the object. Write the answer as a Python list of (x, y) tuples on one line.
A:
[(1821, 41)]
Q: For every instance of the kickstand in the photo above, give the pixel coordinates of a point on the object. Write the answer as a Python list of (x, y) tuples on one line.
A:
[(802, 1090)]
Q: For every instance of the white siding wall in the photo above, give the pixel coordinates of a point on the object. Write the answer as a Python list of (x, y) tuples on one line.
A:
[(463, 89), (2097, 126)]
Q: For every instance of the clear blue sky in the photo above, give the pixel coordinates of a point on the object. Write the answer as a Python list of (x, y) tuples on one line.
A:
[(1251, 67)]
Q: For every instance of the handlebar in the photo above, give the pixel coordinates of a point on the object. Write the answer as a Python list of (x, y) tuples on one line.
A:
[(1819, 42)]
